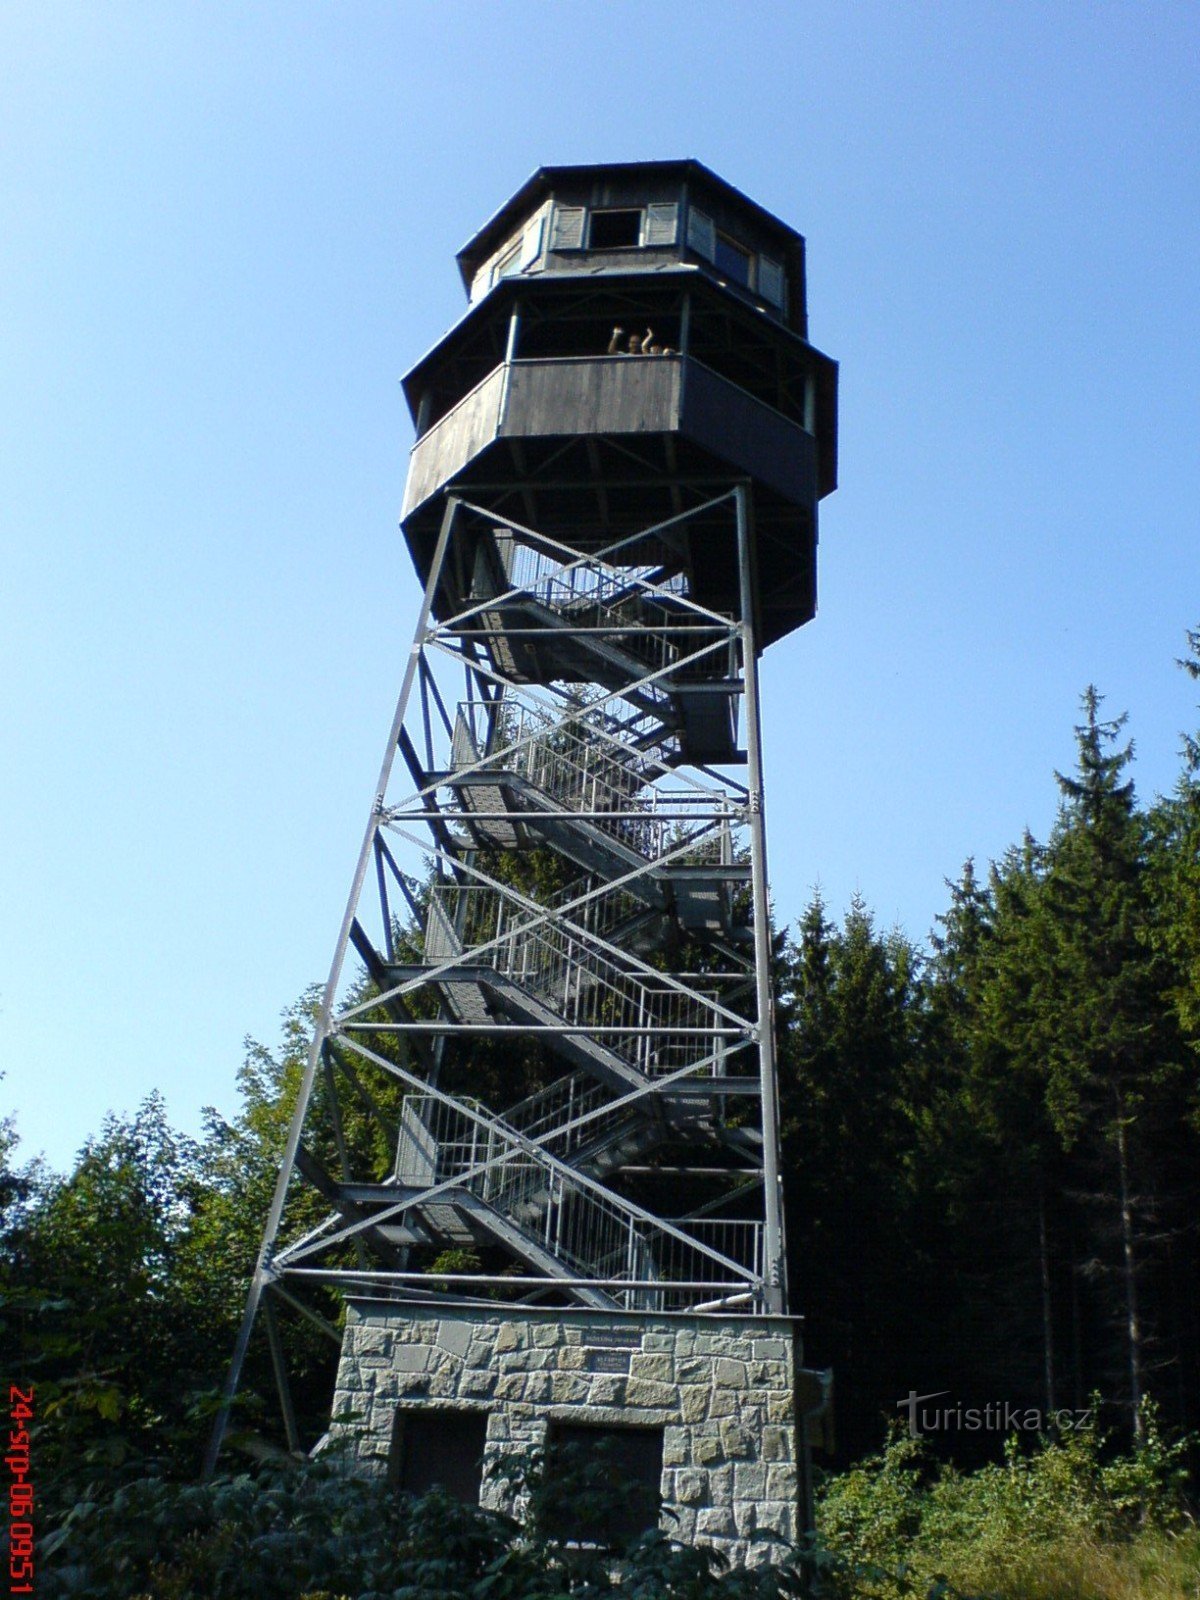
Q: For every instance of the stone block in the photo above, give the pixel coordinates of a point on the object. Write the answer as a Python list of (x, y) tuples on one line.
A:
[(716, 1344), (781, 1482), (654, 1368), (715, 1522), (546, 1335), (511, 1386), (777, 1444), (780, 1408), (659, 1396), (730, 1374), (749, 1481), (694, 1369), (722, 1403), (455, 1338), (537, 1387), (777, 1516), (568, 1388), (708, 1450), (769, 1375), (693, 1403), (691, 1488), (769, 1349), (509, 1337), (738, 1440), (681, 1524), (675, 1447), (720, 1485), (605, 1390), (745, 1516)]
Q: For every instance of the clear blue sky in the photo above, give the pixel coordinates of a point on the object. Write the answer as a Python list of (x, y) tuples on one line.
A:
[(228, 229)]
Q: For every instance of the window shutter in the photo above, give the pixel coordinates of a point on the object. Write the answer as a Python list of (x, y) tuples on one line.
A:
[(662, 225), (702, 234), (531, 244), (568, 228), (771, 281)]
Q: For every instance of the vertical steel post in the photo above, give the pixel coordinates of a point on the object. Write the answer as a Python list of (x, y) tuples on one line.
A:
[(775, 1267), (279, 1364)]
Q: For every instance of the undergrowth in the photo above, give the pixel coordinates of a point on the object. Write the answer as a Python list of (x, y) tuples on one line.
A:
[(1066, 1520)]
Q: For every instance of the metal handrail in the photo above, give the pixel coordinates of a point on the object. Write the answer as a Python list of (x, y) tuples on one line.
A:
[(671, 1027), (590, 1234)]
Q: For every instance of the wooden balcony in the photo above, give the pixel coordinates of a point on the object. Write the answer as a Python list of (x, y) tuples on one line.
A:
[(593, 396)]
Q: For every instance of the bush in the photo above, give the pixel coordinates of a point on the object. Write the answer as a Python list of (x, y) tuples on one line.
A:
[(315, 1533), (1066, 1520)]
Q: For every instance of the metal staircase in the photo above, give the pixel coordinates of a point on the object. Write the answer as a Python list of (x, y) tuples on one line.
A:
[(585, 895)]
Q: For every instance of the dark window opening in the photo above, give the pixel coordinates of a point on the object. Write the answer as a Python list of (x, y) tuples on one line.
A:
[(590, 333), (730, 258), (615, 230), (603, 1485), (439, 1447)]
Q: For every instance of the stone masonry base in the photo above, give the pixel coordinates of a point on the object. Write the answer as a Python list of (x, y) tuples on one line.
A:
[(722, 1389)]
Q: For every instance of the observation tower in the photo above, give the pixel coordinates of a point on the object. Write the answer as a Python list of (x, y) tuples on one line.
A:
[(544, 1124)]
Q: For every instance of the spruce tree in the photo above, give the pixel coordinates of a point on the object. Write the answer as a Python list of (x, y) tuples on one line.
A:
[(1112, 1058)]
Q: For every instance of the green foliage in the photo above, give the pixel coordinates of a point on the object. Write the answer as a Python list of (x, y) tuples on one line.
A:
[(122, 1282), (991, 1160), (851, 1097), (97, 1256), (1066, 1518), (1036, 1523), (317, 1531)]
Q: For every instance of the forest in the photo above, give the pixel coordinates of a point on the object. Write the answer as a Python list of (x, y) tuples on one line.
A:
[(992, 1162)]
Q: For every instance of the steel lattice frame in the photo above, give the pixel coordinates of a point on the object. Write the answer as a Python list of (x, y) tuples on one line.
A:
[(587, 758)]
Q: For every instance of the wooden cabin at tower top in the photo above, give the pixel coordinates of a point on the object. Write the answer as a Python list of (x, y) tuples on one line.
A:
[(531, 406), (663, 247), (643, 216)]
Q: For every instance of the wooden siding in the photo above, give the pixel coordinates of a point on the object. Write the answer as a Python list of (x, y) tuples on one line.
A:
[(594, 394), (749, 434), (455, 439), (616, 395)]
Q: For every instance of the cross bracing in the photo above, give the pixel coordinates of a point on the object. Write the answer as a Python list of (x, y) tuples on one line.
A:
[(563, 1035)]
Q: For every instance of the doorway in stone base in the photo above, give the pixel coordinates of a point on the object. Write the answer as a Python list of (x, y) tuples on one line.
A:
[(603, 1484), (432, 1447)]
